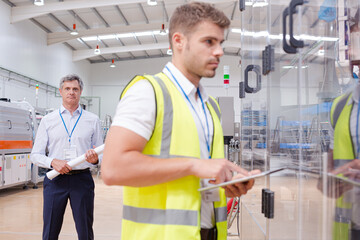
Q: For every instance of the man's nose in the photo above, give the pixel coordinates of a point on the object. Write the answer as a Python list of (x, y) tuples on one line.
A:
[(218, 51)]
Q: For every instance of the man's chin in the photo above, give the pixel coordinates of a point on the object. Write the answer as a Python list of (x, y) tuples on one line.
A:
[(209, 74)]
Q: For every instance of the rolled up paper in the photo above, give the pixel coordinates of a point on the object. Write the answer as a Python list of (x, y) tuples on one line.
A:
[(73, 163)]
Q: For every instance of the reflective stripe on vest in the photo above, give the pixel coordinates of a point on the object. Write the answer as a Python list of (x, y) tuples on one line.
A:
[(338, 104), (167, 125), (343, 215), (340, 162), (161, 216), (343, 153), (171, 210), (215, 106), (221, 214), (340, 115)]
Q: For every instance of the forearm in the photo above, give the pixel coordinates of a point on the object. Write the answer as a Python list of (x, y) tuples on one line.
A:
[(138, 170), (41, 160), (125, 164)]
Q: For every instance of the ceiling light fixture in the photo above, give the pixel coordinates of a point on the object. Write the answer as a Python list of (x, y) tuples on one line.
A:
[(169, 52), (112, 63), (97, 50), (39, 2), (152, 2), (162, 31), (74, 32)]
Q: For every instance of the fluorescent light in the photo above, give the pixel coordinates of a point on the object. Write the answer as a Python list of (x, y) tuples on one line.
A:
[(140, 34), (260, 4), (236, 30), (292, 67), (280, 36), (288, 67), (261, 34), (92, 38), (105, 37), (257, 3), (321, 52), (39, 2), (152, 2), (275, 36), (125, 35)]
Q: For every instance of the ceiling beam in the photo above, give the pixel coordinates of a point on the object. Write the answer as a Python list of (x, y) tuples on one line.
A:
[(21, 13), (60, 37), (83, 54)]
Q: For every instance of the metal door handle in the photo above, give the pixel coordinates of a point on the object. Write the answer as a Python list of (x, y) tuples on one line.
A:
[(293, 41), (287, 48), (242, 5), (256, 69)]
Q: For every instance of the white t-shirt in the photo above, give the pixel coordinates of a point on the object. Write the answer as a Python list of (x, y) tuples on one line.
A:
[(137, 111)]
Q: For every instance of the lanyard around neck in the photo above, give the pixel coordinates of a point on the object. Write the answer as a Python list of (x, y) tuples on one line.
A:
[(73, 127), (357, 131), (197, 115)]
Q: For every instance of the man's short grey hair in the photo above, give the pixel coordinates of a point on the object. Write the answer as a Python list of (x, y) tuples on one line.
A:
[(72, 77)]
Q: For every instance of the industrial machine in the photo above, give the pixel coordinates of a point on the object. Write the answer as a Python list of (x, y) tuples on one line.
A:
[(15, 144), (36, 114)]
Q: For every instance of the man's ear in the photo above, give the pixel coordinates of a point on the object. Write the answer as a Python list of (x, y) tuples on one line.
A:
[(178, 40)]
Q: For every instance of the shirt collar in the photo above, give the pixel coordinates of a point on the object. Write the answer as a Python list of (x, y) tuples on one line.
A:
[(355, 95), (185, 83), (63, 109)]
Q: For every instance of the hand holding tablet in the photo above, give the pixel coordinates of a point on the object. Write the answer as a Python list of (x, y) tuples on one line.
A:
[(241, 180)]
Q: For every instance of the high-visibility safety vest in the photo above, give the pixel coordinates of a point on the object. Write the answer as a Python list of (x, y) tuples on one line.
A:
[(343, 153), (171, 210)]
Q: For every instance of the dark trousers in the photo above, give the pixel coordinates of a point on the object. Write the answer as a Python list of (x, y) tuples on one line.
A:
[(79, 188), (208, 234)]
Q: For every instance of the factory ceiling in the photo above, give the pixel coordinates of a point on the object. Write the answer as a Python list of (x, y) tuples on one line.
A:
[(131, 29)]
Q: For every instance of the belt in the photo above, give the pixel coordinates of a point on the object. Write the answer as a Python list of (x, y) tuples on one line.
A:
[(208, 234), (77, 171)]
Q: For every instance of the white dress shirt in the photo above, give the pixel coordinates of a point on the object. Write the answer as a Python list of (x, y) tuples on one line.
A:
[(137, 112), (53, 137)]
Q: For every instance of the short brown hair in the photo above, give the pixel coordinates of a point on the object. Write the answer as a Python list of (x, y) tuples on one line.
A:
[(187, 16)]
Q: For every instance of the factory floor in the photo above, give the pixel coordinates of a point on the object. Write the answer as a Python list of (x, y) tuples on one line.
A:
[(21, 212)]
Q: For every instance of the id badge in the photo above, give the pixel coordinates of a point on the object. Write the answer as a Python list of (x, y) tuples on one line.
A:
[(70, 153), (211, 195)]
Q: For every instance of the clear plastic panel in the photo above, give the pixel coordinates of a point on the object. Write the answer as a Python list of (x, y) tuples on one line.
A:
[(287, 122), (254, 113)]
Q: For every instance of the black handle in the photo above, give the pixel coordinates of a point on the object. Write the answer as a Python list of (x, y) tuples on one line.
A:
[(10, 125), (293, 41), (287, 48), (267, 203), (256, 69), (241, 90), (242, 5)]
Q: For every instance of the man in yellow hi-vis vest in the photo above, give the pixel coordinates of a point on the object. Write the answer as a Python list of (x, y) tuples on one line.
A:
[(344, 151), (166, 140)]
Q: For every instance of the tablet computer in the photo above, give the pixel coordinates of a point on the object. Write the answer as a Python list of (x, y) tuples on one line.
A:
[(244, 179)]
